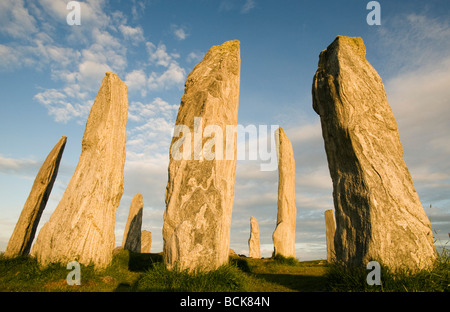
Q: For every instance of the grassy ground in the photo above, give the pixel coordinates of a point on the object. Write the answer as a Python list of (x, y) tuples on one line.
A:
[(146, 272)]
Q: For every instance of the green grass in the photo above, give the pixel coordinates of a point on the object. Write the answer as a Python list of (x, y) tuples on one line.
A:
[(146, 272), (344, 279)]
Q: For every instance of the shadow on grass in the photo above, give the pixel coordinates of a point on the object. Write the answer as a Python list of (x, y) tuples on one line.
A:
[(141, 262), (303, 283)]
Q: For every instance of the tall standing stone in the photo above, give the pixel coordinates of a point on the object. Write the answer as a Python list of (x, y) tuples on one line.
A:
[(284, 234), (200, 189), (330, 231), (132, 234), (254, 249), (378, 212), (23, 235), (146, 241), (82, 226)]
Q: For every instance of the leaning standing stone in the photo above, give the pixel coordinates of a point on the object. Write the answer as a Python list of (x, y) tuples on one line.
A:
[(23, 235), (200, 189), (82, 226), (378, 212)]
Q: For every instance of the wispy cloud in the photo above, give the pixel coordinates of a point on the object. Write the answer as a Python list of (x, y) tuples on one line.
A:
[(179, 32), (248, 6), (236, 5)]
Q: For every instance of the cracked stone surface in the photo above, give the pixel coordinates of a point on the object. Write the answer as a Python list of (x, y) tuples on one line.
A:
[(82, 226), (284, 234), (200, 193), (22, 237), (378, 213)]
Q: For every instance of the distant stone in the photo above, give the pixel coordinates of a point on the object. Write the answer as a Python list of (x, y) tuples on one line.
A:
[(378, 213), (82, 226), (146, 241), (232, 253), (132, 234), (200, 190), (253, 241), (23, 234), (284, 234), (330, 231)]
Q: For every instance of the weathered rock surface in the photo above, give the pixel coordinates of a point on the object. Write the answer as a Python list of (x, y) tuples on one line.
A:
[(284, 234), (132, 234), (146, 241), (82, 226), (378, 212), (330, 231), (22, 237), (254, 249), (200, 193)]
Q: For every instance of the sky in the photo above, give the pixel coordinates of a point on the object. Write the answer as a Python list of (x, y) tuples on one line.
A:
[(50, 73)]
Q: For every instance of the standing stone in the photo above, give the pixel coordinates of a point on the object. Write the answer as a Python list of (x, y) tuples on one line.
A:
[(200, 189), (132, 235), (253, 242), (330, 231), (284, 234), (146, 241), (23, 235), (82, 226), (378, 212)]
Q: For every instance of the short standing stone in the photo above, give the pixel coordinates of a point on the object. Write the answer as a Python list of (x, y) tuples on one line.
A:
[(378, 213), (253, 242), (146, 241), (132, 235), (284, 234), (82, 226), (330, 231), (23, 235), (200, 188)]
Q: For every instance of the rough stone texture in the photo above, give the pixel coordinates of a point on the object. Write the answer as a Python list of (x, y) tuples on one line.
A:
[(378, 212), (330, 231), (146, 241), (132, 234), (82, 226), (254, 250), (200, 193), (23, 235), (284, 234)]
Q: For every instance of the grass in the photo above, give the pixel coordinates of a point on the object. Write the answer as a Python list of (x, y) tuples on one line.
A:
[(344, 279), (131, 272)]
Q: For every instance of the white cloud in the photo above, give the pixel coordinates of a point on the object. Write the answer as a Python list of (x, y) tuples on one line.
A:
[(179, 32), (16, 19), (60, 107), (195, 57), (137, 80), (14, 166), (135, 34), (248, 6), (159, 56), (174, 76)]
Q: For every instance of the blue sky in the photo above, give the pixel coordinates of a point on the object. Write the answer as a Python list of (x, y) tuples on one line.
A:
[(50, 73)]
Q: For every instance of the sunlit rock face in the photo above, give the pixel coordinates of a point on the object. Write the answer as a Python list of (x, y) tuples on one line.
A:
[(200, 188), (378, 212), (82, 226), (20, 242)]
